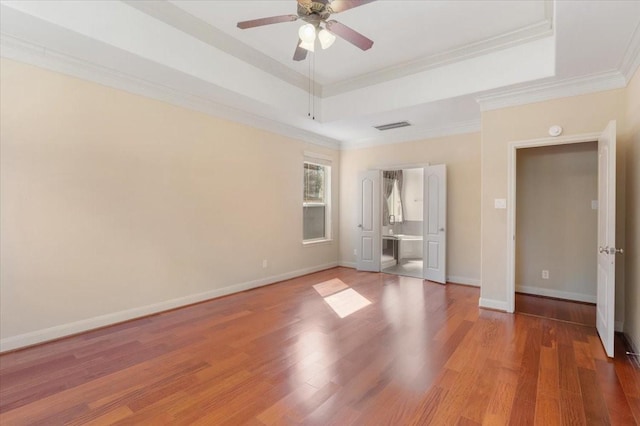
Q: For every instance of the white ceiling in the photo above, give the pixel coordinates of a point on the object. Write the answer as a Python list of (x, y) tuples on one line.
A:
[(430, 63), (403, 31)]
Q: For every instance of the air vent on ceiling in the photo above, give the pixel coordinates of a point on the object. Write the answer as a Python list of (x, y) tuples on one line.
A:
[(393, 125)]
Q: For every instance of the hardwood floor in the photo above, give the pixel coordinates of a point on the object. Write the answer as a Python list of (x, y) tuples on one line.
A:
[(420, 353), (563, 310)]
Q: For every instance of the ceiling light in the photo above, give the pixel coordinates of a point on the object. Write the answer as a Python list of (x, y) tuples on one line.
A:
[(326, 38), (307, 45), (307, 33)]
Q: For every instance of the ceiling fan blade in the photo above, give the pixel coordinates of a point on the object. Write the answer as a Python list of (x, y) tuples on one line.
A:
[(342, 5), (300, 54), (266, 21), (349, 34)]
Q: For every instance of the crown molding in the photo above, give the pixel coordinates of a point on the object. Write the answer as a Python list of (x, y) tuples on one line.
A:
[(33, 54), (521, 36), (409, 134), (177, 18), (554, 89), (631, 60), (23, 51)]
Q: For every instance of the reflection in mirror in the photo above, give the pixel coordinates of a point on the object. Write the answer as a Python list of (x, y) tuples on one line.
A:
[(392, 187), (402, 213)]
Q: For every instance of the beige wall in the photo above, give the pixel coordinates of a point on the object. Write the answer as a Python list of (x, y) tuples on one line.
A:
[(577, 115), (556, 226), (632, 243), (112, 202), (461, 154)]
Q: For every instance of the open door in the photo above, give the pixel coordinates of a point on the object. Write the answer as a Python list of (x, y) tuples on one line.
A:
[(369, 222), (605, 307), (435, 223)]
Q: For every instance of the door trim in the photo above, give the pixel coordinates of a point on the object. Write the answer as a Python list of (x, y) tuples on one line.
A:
[(511, 200)]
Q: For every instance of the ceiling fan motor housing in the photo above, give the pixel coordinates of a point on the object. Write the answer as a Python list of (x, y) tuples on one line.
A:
[(315, 13), (317, 10)]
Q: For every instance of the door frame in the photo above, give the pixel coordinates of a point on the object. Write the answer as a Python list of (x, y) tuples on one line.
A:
[(511, 200)]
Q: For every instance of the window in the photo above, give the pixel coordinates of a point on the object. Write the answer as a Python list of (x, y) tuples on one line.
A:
[(316, 204)]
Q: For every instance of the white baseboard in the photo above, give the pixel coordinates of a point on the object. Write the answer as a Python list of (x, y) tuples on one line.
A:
[(500, 305), (635, 347), (56, 332), (580, 297), (454, 279), (634, 343)]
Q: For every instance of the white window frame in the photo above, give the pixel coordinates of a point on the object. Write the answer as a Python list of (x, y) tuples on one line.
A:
[(323, 161)]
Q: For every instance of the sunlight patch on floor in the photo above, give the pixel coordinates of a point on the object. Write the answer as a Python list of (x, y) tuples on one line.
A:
[(329, 287), (340, 297), (346, 302)]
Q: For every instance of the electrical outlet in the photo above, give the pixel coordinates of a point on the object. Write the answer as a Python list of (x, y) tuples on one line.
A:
[(355, 252), (545, 274), (265, 263)]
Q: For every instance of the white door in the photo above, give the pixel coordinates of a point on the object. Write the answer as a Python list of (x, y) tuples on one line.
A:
[(434, 249), (605, 308), (369, 238)]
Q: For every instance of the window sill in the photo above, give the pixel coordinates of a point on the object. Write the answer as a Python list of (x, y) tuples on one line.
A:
[(317, 242)]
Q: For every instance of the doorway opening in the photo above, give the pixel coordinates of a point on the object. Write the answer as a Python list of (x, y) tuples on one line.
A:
[(556, 231), (402, 222), (605, 248), (403, 238)]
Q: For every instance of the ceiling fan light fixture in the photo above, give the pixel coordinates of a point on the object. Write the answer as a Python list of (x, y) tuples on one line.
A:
[(309, 45), (307, 33), (326, 38)]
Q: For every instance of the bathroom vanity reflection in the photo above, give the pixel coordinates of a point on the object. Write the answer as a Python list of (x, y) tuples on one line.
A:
[(402, 254)]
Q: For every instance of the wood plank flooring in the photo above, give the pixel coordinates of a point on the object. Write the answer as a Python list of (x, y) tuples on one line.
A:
[(420, 353), (563, 310)]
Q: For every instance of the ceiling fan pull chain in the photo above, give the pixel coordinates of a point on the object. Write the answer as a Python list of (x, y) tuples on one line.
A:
[(309, 88)]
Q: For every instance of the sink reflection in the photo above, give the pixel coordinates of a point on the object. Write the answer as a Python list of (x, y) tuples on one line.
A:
[(402, 237)]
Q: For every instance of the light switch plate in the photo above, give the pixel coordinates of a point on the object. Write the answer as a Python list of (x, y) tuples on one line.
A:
[(500, 203), (594, 204)]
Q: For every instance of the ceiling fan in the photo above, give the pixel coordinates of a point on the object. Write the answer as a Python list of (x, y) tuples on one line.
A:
[(316, 14)]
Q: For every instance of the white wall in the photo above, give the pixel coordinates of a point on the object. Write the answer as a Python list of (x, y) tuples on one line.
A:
[(114, 206), (555, 222)]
